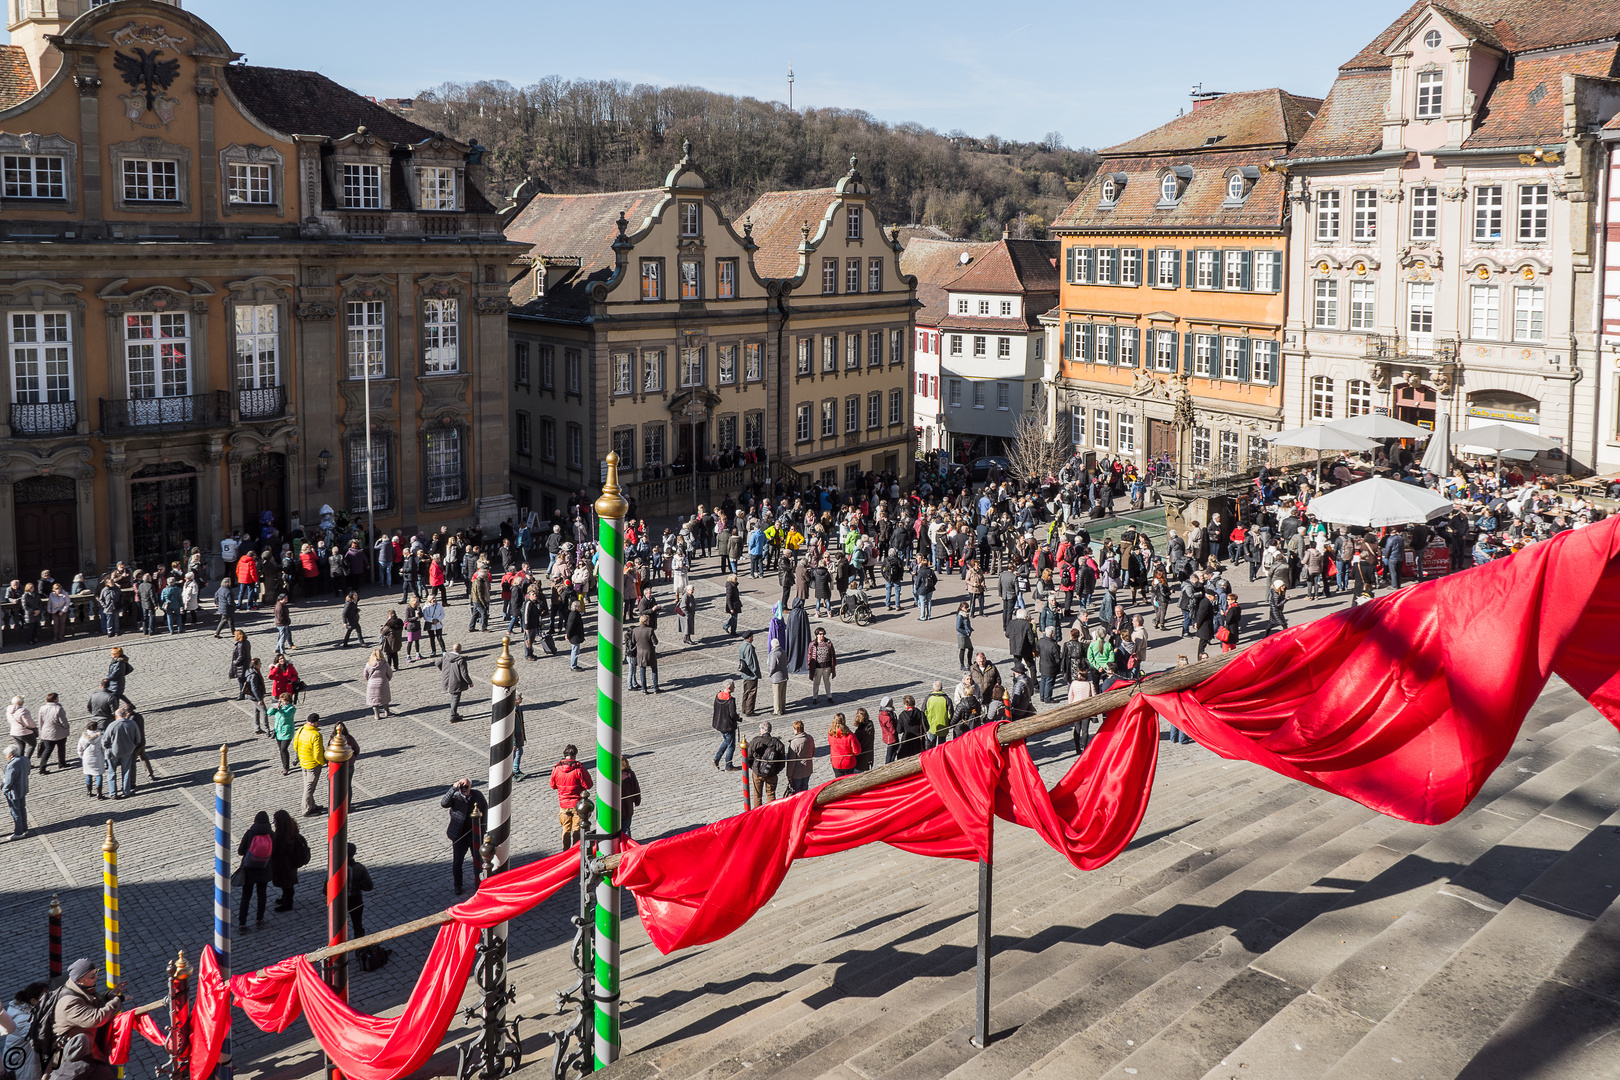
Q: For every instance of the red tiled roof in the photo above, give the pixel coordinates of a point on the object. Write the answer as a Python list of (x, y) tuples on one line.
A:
[(1350, 122), (1513, 25), (1529, 107), (16, 77), (933, 263), (983, 324), (308, 103), (779, 218), (582, 226), (1012, 266), (1250, 118), (1202, 204)]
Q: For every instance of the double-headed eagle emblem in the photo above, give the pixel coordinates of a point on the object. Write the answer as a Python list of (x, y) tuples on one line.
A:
[(144, 72)]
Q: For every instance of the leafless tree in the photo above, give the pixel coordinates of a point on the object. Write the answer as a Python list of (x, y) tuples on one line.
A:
[(1035, 452)]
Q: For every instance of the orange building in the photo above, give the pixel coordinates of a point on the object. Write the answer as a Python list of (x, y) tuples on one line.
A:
[(1173, 287)]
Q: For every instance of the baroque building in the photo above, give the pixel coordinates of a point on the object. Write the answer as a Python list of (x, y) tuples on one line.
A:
[(933, 261), (203, 266), (1443, 226), (1169, 327)]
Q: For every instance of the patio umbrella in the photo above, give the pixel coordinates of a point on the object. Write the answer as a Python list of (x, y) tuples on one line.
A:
[(1379, 502), (1374, 426), (1437, 457), (1320, 437), (1500, 437)]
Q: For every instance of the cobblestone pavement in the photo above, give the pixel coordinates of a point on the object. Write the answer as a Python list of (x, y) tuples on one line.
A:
[(405, 764)]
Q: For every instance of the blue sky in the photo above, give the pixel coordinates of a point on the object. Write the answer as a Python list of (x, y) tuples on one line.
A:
[(1098, 73)]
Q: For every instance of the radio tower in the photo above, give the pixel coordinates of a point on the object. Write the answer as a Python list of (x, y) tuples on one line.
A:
[(790, 86)]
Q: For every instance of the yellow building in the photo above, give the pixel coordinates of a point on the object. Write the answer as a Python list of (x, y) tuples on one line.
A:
[(200, 263)]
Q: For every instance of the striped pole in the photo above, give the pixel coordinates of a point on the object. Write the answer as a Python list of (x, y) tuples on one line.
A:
[(178, 1043), (109, 910), (338, 755), (497, 830), (54, 912), (222, 896), (611, 509)]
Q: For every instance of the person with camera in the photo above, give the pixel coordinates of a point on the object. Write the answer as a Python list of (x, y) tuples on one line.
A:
[(465, 830), (79, 1010)]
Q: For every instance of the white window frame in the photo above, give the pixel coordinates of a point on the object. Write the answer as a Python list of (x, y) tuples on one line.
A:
[(441, 336), (1429, 100), (1206, 354), (829, 277), (157, 355), (852, 413), (691, 218), (1326, 307), (1130, 266), (1077, 425), (725, 364), (151, 180), (725, 279), (1231, 357), (362, 186), (436, 187), (852, 222), (652, 373), (1200, 446), (753, 361), (257, 331), (1420, 307), (1264, 355), (366, 344), (829, 418), (249, 183), (1364, 215), (1485, 312), (22, 176), (41, 347), (624, 369), (1425, 219), (1101, 427), (1206, 274), (652, 279), (441, 466), (1321, 397), (1363, 305), (874, 275), (897, 404), (1229, 449), (691, 357), (1529, 313), (1533, 206), (1488, 214), (874, 409), (1327, 216), (802, 422), (1164, 351), (1125, 433), (1358, 397)]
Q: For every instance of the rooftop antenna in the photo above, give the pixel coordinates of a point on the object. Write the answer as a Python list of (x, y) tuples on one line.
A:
[(790, 85)]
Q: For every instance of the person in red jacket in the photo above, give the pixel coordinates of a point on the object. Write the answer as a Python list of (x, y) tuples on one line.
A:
[(844, 746), (247, 581), (572, 782)]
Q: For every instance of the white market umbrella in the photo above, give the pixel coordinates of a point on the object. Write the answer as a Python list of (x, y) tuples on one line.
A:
[(1374, 426), (1499, 437), (1379, 502), (1437, 457), (1320, 437)]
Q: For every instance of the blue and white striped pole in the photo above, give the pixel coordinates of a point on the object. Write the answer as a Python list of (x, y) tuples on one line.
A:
[(222, 896)]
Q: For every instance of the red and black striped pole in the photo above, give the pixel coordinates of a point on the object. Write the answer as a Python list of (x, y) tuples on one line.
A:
[(178, 1043), (338, 776), (55, 914)]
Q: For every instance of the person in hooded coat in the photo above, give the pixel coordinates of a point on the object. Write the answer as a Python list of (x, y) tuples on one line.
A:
[(798, 637), (776, 635)]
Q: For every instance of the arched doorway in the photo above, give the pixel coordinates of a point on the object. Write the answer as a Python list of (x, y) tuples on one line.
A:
[(163, 512), (47, 512), (264, 491), (1415, 404)]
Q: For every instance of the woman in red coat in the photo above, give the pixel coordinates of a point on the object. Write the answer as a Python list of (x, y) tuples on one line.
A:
[(283, 677), (435, 578), (247, 577), (844, 745)]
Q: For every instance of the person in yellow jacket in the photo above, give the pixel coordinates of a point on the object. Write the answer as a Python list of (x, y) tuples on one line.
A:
[(311, 751)]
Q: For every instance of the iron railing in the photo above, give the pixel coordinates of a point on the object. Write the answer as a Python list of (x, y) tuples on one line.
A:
[(1391, 347), (138, 416), (41, 419), (261, 402)]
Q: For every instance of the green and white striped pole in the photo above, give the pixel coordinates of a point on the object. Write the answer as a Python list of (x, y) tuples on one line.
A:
[(611, 509)]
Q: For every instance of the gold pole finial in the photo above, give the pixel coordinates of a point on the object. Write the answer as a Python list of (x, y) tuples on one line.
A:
[(505, 673), (180, 969), (55, 910), (224, 775), (109, 846), (611, 504), (338, 748)]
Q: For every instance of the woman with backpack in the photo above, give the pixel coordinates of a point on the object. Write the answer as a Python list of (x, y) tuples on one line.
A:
[(257, 848), (288, 852)]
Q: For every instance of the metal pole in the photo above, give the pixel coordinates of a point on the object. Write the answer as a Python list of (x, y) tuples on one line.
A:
[(338, 755), (109, 910), (371, 517), (222, 896), (178, 1044), (493, 948), (748, 793), (54, 913), (981, 993), (611, 509)]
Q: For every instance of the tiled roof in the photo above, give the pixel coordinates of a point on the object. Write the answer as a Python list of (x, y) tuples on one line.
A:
[(1529, 107), (933, 263), (1250, 118), (1351, 120), (1012, 266), (581, 226), (16, 77), (1513, 25), (779, 217), (1202, 202), (308, 103), (1040, 303)]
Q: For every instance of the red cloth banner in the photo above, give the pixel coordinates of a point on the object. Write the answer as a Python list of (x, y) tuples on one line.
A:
[(210, 1017)]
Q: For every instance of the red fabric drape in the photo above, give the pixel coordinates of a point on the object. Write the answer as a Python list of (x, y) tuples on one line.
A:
[(511, 893), (210, 1016)]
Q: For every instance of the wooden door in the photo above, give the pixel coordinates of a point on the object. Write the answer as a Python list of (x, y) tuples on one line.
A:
[(47, 515), (264, 490), (1161, 439)]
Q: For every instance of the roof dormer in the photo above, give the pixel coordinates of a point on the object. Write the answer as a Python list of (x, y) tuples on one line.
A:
[(1442, 65)]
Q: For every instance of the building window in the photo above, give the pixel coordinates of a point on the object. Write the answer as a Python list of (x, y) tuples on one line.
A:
[(1259, 449), (829, 418), (874, 275), (548, 439), (1327, 302), (257, 346), (753, 361), (31, 177), (1130, 266), (1234, 188), (624, 444), (978, 345), (1361, 305), (806, 347), (1420, 307), (1231, 358), (521, 435), (366, 338), (961, 307), (652, 373), (753, 431), (652, 445), (727, 439), (691, 366), (1040, 347), (1077, 425), (874, 349), (442, 466), (1169, 188), (1485, 304), (726, 363), (441, 353), (1200, 446), (1100, 428), (691, 219), (623, 378), (548, 366), (897, 404), (1126, 424), (1327, 215), (1107, 271), (801, 424), (691, 279), (246, 184), (576, 447), (148, 180), (1167, 268), (1358, 397), (379, 471), (956, 344), (852, 276), (520, 363), (1164, 350), (955, 387), (1128, 336), (1529, 314), (1003, 348), (1533, 212), (852, 352), (829, 353), (829, 276), (978, 394), (725, 279), (874, 409), (1364, 214), (1425, 213), (1229, 449), (1205, 349), (1006, 308), (852, 413), (1106, 336), (1263, 362), (42, 361), (1267, 271), (1429, 96), (1209, 270), (438, 187), (1488, 213), (652, 279), (1321, 397), (1003, 396), (362, 187), (571, 366), (1236, 265), (852, 222)]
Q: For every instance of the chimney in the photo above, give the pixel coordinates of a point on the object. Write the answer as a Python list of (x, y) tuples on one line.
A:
[(1202, 97)]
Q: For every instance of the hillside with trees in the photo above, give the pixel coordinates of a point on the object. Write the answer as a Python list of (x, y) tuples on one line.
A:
[(590, 135)]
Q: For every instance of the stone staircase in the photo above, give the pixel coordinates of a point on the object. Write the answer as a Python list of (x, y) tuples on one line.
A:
[(1256, 929)]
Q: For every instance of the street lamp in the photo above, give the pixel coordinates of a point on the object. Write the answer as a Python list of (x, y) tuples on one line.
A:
[(323, 463)]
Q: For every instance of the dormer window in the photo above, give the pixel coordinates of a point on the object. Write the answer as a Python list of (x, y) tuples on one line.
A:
[(1169, 188), (438, 188), (1431, 40), (362, 187), (1110, 190), (852, 217), (1234, 187), (1429, 96)]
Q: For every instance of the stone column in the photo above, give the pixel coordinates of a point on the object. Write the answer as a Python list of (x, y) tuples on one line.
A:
[(117, 502), (210, 522), (208, 159), (89, 84)]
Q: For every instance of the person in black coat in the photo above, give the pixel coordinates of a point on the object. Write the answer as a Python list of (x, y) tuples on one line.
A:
[(241, 663), (912, 726), (574, 631), (351, 620), (797, 628), (291, 851), (465, 831), (866, 733), (1049, 655), (1204, 621), (255, 869), (1021, 639)]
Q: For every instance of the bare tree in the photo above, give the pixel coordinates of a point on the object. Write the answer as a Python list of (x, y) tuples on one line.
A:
[(1034, 452)]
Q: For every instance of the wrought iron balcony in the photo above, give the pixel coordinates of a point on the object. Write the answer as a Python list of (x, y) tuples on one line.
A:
[(262, 402), (1394, 349), (43, 419), (144, 416)]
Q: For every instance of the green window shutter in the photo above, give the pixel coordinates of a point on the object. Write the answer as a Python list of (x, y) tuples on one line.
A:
[(1276, 271), (1088, 342), (1068, 265), (1219, 278), (1140, 263), (1152, 264), (1068, 332), (1114, 273), (1243, 359), (1175, 269), (1091, 265), (1276, 356), (1112, 350), (1187, 354), (1248, 271)]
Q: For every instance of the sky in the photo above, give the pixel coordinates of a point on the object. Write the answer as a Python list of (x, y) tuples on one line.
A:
[(1096, 73)]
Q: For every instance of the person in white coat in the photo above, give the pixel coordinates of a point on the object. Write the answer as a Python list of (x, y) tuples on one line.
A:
[(93, 761)]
